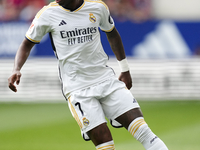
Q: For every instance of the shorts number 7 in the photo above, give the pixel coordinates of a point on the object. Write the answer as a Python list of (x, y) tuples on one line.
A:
[(79, 106)]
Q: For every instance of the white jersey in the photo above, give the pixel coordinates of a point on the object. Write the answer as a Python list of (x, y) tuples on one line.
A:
[(76, 41)]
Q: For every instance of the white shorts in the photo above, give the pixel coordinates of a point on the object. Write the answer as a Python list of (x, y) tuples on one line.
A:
[(91, 105)]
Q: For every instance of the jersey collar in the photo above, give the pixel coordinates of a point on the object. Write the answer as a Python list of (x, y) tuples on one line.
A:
[(74, 10)]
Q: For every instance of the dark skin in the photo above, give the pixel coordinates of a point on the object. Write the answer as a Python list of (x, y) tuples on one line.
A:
[(20, 58), (70, 4), (101, 133)]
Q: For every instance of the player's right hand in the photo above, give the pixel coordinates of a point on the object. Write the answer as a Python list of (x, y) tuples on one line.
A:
[(14, 78)]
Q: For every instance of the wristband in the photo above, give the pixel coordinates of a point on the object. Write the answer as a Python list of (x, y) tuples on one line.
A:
[(123, 65)]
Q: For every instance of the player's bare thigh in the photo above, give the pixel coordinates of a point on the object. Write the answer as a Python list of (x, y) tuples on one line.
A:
[(126, 118), (100, 134)]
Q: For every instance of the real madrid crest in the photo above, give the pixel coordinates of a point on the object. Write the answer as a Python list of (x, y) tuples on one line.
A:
[(92, 18), (86, 122)]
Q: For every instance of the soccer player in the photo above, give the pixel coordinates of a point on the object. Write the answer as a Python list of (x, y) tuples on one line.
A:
[(90, 86)]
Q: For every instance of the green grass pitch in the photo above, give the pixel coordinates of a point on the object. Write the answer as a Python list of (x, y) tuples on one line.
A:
[(50, 126)]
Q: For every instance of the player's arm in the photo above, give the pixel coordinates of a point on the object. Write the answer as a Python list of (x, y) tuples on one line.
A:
[(20, 58), (118, 49)]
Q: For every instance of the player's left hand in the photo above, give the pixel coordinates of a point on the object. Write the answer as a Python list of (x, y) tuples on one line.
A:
[(15, 77), (126, 78)]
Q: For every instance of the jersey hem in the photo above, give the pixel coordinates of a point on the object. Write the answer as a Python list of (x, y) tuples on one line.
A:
[(108, 30), (31, 40), (68, 94)]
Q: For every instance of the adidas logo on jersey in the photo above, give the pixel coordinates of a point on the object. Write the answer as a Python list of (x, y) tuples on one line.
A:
[(62, 23), (134, 100)]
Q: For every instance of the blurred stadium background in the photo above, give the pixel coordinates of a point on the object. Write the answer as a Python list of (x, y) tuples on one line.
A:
[(162, 43)]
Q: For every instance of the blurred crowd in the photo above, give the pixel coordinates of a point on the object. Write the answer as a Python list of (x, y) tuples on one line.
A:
[(132, 10), (25, 10), (122, 10)]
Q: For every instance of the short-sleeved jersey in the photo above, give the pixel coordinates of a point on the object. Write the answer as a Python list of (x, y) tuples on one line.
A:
[(76, 41)]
